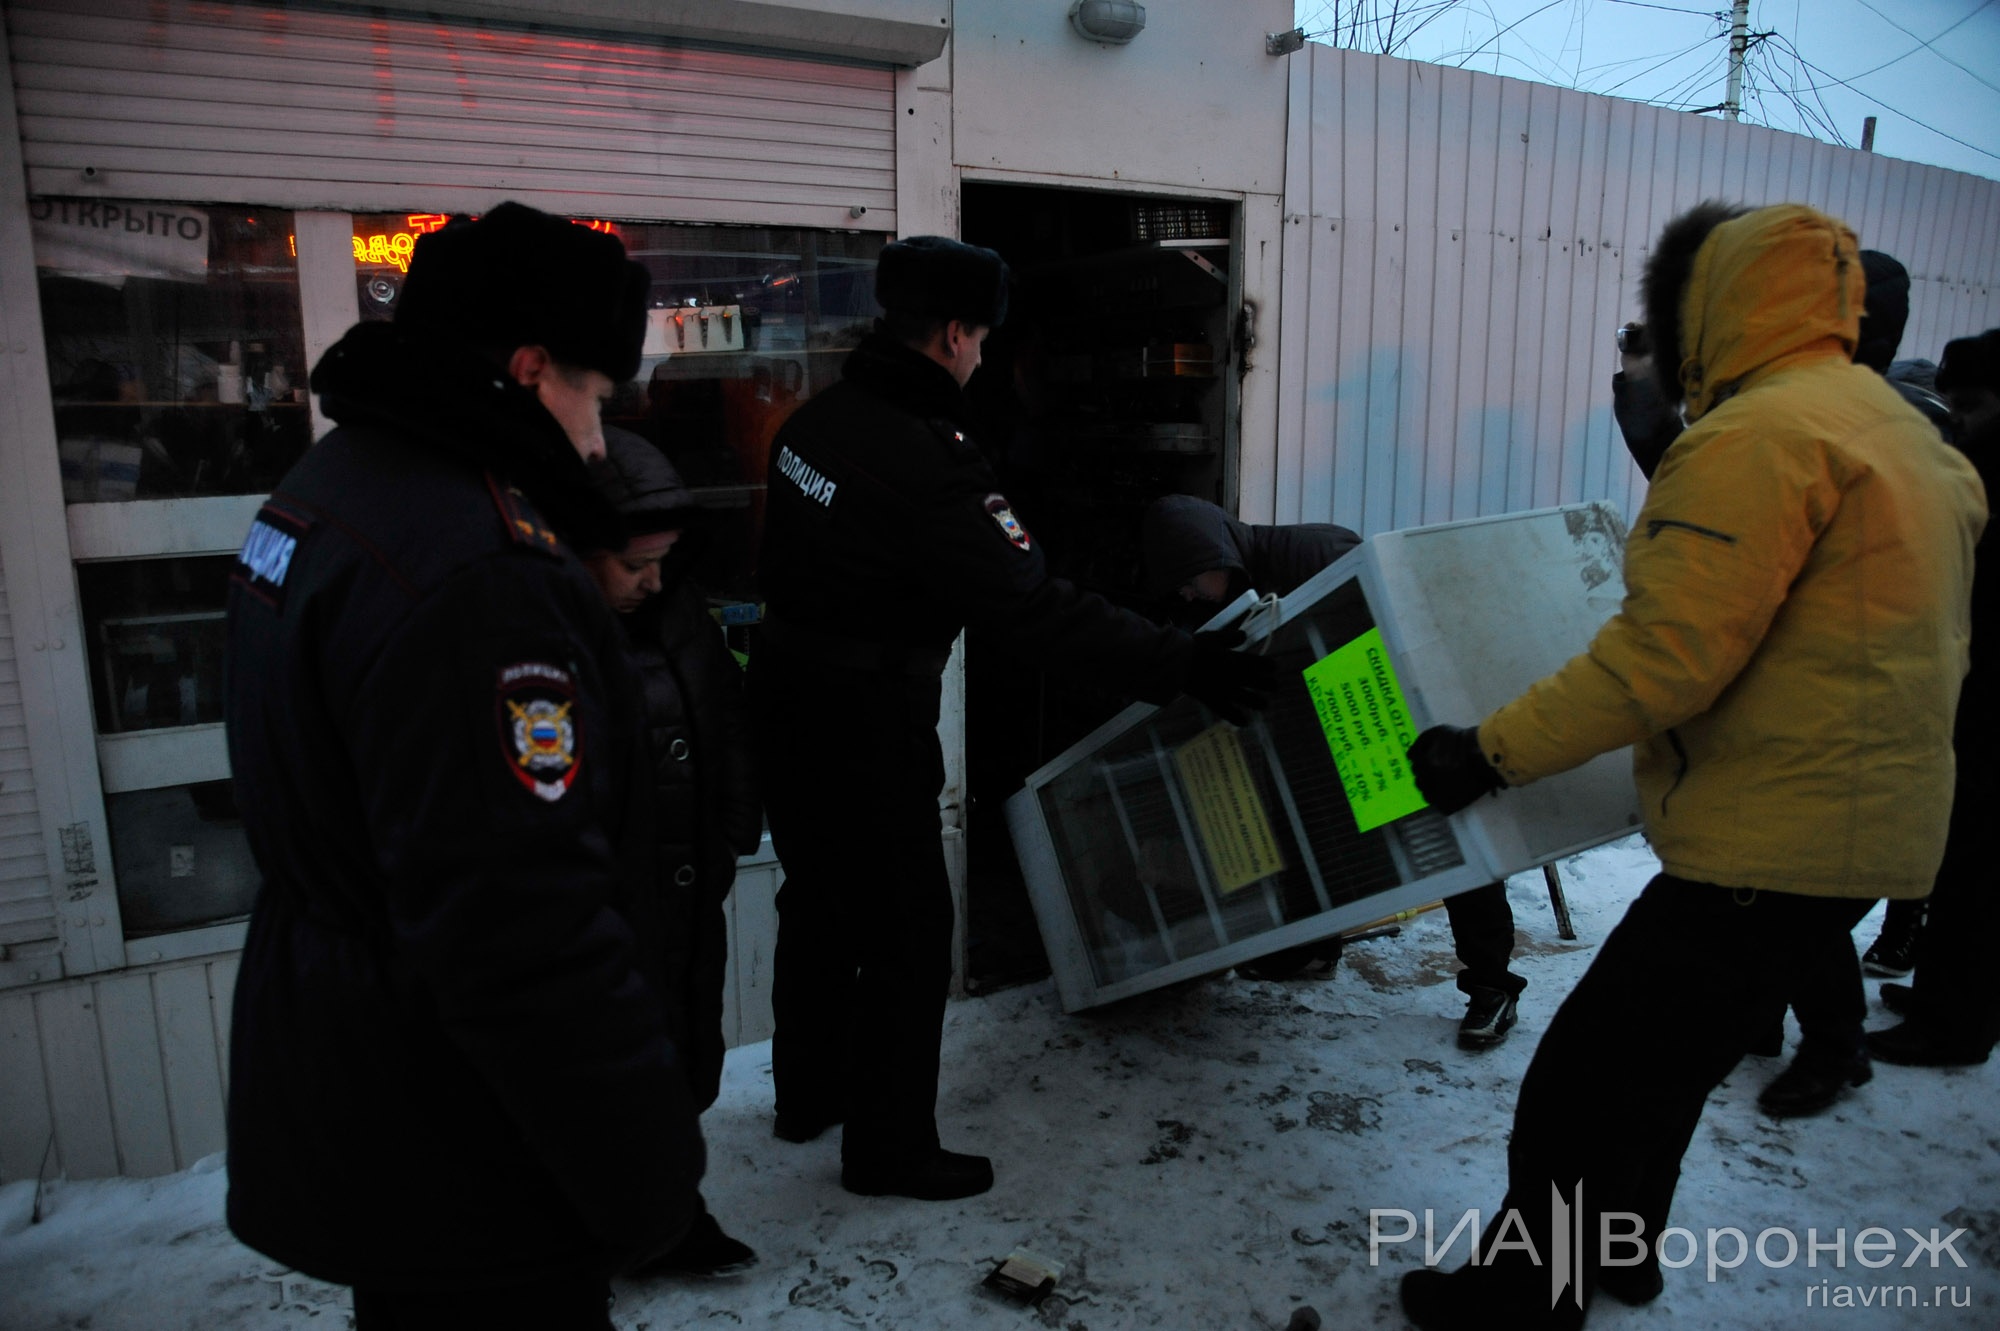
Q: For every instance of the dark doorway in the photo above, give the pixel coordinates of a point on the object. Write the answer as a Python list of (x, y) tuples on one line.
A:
[(1111, 384)]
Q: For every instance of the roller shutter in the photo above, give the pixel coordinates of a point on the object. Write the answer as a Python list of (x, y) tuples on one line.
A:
[(350, 110)]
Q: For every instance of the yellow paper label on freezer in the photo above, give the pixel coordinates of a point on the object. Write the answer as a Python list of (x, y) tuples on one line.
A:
[(1361, 709), (1235, 829)]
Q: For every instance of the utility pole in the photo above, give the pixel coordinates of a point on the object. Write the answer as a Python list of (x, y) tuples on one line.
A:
[(1739, 44)]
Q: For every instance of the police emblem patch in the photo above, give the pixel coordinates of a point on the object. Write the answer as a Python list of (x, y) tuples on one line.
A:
[(997, 509), (535, 705)]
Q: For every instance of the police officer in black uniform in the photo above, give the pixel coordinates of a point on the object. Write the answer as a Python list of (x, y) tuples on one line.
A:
[(452, 1083), (886, 535)]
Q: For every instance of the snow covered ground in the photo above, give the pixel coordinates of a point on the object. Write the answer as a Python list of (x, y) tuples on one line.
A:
[(1202, 1158)]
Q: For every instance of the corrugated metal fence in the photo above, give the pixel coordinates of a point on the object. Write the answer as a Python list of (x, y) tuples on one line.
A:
[(1460, 247)]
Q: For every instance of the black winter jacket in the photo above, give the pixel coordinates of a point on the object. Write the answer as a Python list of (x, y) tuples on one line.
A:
[(886, 526), (1183, 537), (707, 810), (706, 807), (450, 1059)]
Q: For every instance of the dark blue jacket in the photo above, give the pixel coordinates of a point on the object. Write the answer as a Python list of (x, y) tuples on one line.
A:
[(1184, 537)]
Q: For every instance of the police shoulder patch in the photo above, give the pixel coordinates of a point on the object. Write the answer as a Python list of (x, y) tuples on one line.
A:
[(535, 704), (523, 525), (265, 560), (1010, 526)]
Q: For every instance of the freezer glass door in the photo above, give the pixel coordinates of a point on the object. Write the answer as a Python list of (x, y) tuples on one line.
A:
[(1185, 835)]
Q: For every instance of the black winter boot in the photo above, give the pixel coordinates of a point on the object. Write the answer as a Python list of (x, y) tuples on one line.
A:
[(706, 1252), (1489, 1015), (1809, 1086), (1893, 954), (941, 1176)]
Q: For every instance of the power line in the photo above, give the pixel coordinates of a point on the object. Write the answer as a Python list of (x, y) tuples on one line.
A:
[(1704, 74), (1543, 9), (1675, 9), (1835, 78), (1347, 29), (1819, 123), (1922, 45), (1678, 55), (1927, 44)]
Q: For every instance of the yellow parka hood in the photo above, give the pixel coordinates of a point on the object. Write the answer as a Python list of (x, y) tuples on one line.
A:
[(1766, 289)]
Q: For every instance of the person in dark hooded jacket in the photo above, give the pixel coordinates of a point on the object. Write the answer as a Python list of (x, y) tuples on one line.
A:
[(1951, 1008), (1195, 550), (452, 1082), (707, 810)]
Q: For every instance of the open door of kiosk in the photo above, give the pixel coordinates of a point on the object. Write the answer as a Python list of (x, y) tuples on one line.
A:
[(1170, 843)]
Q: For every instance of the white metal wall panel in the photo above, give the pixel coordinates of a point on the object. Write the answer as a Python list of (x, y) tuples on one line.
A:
[(1459, 248), (316, 107), (1195, 102), (27, 911), (128, 1072), (121, 1073)]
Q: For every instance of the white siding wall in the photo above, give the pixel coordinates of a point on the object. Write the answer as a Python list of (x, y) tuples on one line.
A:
[(127, 1073), (1460, 247), (1193, 102), (27, 915), (124, 1072), (314, 108)]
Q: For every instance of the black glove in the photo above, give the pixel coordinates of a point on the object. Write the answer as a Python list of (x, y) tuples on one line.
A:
[(1450, 769), (1232, 684)]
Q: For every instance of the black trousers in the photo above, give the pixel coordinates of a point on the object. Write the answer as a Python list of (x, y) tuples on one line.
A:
[(1482, 932), (1616, 1087), (1953, 989), (559, 1303), (1831, 1005), (852, 770)]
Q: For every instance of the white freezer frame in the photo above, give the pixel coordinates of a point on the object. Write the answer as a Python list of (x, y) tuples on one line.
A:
[(1416, 584)]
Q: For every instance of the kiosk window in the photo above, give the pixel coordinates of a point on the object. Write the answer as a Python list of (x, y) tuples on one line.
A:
[(745, 324), (155, 631), (182, 857), (176, 349)]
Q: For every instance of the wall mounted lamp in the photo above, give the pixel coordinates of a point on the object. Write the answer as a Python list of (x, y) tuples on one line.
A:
[(1113, 21)]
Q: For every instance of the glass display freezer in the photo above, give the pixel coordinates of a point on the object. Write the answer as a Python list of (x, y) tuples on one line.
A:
[(1170, 843)]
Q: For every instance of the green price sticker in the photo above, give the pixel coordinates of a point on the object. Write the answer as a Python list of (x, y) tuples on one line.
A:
[(1361, 709)]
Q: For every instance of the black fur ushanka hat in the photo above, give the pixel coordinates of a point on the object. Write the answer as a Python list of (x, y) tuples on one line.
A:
[(520, 277)]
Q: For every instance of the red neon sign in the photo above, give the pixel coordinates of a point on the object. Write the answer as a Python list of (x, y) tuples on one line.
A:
[(395, 248)]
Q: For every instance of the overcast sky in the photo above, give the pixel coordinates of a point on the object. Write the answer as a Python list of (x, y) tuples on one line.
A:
[(1928, 69)]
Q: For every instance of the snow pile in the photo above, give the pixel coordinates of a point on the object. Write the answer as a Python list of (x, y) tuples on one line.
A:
[(1205, 1157)]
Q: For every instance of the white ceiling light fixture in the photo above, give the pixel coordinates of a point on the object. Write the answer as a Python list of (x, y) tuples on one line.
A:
[(1112, 21)]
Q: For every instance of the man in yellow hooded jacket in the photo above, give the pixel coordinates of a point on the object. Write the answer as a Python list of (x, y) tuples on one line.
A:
[(1785, 664)]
